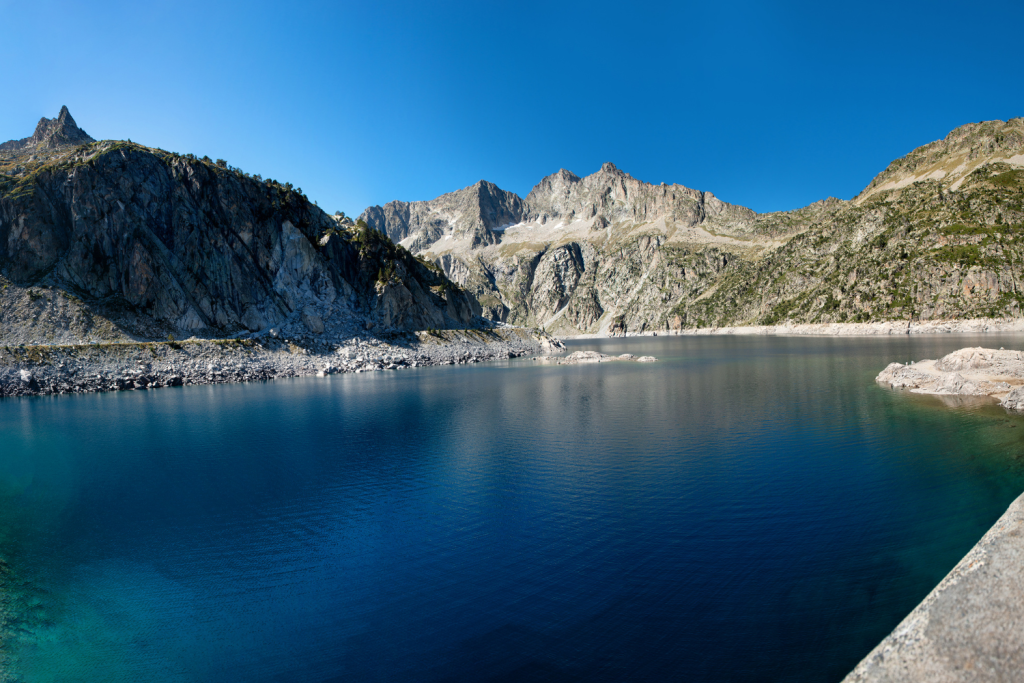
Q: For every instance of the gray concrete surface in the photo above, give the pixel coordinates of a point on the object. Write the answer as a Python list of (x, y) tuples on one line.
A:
[(971, 627)]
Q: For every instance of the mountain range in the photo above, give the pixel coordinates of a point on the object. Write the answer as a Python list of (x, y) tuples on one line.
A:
[(935, 235), (109, 240)]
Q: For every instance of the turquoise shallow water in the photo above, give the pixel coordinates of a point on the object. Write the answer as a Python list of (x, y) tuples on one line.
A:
[(746, 509)]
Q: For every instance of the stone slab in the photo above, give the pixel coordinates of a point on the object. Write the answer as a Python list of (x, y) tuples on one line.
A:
[(971, 627)]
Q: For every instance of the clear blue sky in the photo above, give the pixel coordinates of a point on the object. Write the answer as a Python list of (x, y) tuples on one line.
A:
[(771, 105)]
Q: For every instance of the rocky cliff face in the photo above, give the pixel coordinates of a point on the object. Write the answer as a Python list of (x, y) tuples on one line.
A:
[(471, 215), (116, 239), (934, 236)]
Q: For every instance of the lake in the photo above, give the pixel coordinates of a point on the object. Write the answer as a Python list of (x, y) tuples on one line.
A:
[(746, 509)]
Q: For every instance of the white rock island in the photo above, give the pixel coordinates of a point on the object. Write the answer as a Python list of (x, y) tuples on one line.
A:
[(967, 372)]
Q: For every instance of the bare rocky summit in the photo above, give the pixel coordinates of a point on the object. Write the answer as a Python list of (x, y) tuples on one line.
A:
[(474, 214), (952, 159), (50, 134)]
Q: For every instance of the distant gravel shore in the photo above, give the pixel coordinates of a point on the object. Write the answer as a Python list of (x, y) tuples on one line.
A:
[(32, 370), (894, 327)]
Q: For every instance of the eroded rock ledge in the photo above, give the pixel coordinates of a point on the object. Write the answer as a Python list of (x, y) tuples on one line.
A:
[(967, 372)]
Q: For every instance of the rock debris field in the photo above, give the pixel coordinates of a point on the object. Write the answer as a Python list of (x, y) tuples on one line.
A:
[(31, 370)]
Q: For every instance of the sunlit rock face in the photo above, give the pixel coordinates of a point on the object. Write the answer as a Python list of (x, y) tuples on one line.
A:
[(937, 235)]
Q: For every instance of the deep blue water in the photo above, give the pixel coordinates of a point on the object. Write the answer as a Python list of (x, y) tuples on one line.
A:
[(747, 509)]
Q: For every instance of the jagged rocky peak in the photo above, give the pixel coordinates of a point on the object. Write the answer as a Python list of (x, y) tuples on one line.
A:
[(564, 183), (497, 207), (471, 214), (610, 168), (611, 195), (50, 134), (60, 131), (477, 216), (950, 160), (558, 183)]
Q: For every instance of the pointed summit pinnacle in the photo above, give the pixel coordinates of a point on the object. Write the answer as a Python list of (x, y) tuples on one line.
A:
[(59, 131), (50, 134)]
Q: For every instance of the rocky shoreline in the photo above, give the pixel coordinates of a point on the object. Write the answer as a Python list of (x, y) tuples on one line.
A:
[(886, 328), (29, 370)]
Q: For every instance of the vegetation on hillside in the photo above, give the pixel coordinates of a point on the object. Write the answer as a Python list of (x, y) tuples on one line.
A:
[(920, 252)]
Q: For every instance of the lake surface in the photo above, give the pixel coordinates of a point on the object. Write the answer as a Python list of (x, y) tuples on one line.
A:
[(746, 509)]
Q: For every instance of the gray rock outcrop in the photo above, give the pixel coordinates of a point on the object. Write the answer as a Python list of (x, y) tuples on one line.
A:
[(159, 243), (587, 357)]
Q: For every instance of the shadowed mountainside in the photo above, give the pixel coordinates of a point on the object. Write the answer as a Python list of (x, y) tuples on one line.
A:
[(111, 239)]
